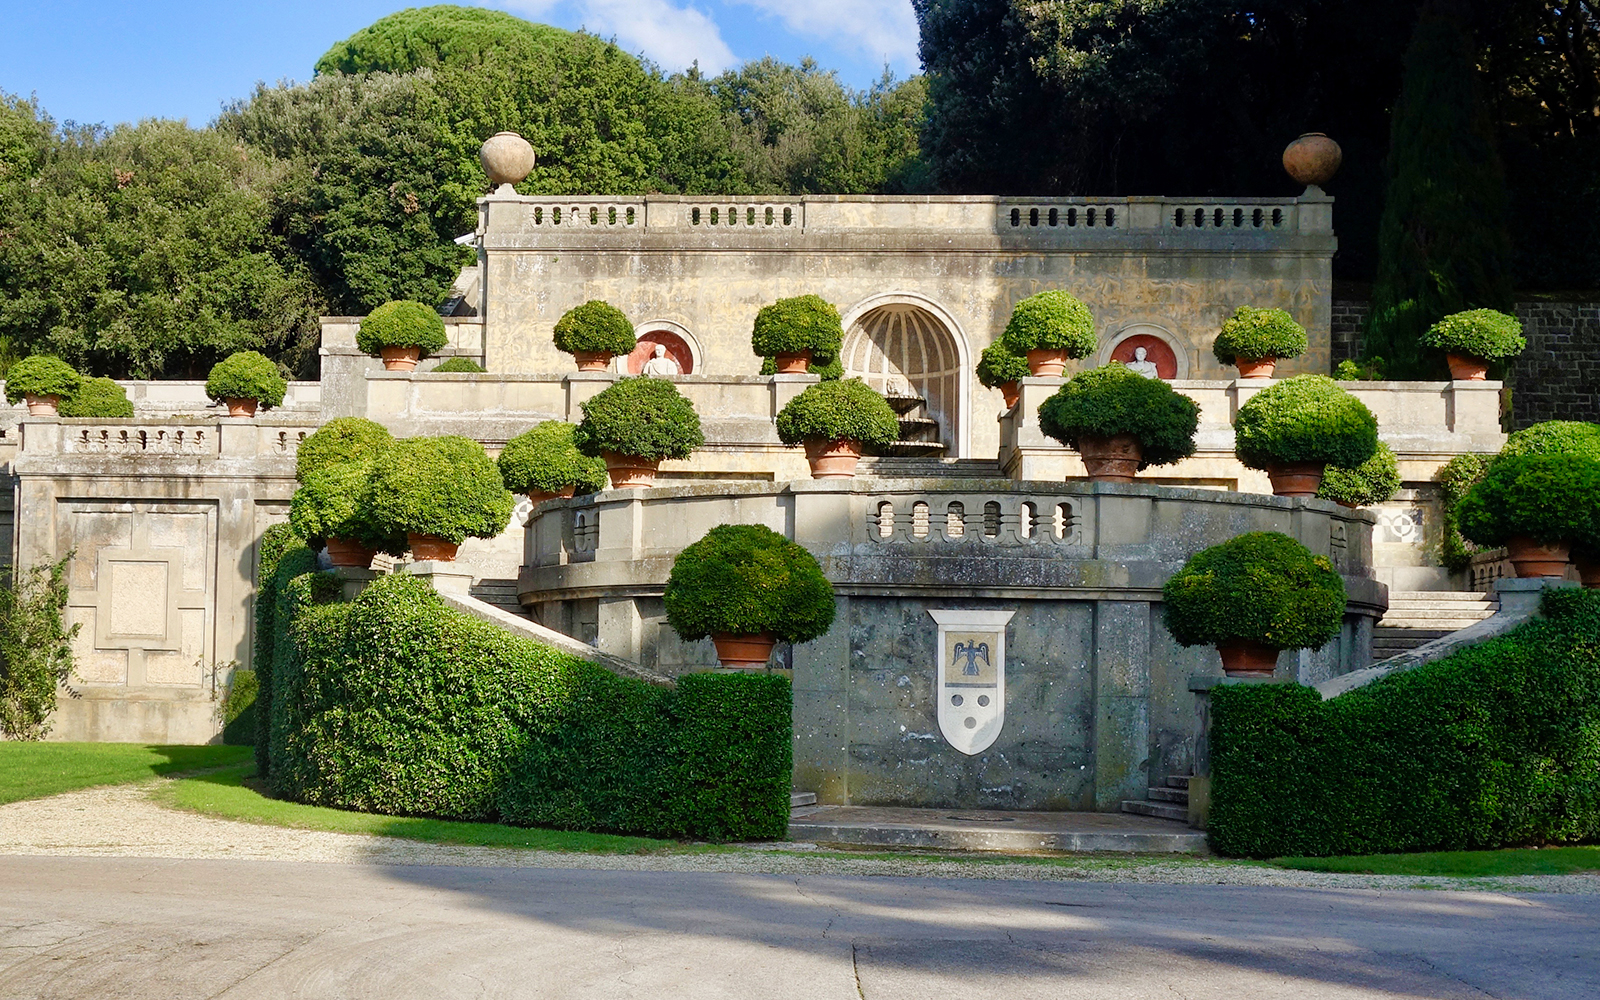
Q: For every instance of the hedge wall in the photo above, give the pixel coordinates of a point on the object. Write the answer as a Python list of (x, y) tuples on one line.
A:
[(398, 704), (1495, 746)]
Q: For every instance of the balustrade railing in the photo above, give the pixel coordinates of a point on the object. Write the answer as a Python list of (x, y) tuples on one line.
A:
[(1096, 215), (747, 215), (942, 520), (591, 215), (145, 439)]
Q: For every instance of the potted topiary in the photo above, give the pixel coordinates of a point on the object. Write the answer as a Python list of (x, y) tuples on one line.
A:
[(791, 331), (437, 492), (244, 381), (97, 397), (999, 369), (1372, 482), (1121, 421), (633, 425), (1537, 506), (592, 333), (824, 366), (1253, 597), (544, 463), (1254, 339), (1296, 428), (835, 420), (458, 365), (402, 333), (327, 507), (746, 586), (1049, 328), (1472, 339), (43, 381), (341, 440)]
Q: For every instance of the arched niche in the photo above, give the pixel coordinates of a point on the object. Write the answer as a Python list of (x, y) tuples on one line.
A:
[(906, 339), (679, 342), (1170, 357)]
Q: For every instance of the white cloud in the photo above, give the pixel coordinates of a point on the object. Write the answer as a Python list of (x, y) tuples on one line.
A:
[(878, 29), (671, 36)]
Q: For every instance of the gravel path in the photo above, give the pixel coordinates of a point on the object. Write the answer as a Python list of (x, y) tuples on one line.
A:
[(123, 821)]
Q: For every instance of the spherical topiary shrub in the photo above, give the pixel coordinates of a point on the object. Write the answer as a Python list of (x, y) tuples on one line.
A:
[(459, 365), (748, 580), (248, 376), (444, 487), (1555, 437), (1550, 499), (328, 505), (595, 330), (544, 460), (998, 366), (645, 418), (97, 397), (1258, 335), (342, 440), (835, 420), (796, 325), (399, 326), (1258, 593), (41, 375), (1308, 419), (1372, 482), (1112, 401), (1051, 321), (1477, 333), (824, 366)]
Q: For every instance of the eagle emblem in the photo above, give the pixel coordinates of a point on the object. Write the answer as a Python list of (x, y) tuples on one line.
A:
[(972, 652)]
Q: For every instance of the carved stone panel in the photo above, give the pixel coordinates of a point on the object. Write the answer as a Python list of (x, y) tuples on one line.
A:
[(971, 675)]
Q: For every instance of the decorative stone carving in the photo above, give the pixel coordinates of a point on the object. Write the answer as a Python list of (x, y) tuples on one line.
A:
[(508, 159), (1141, 364), (659, 365), (971, 675)]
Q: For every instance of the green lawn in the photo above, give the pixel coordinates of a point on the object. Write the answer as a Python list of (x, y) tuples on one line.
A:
[(1465, 864), (232, 793), (34, 770)]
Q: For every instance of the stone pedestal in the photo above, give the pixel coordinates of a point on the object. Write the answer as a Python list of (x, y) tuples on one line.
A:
[(445, 577), (353, 580)]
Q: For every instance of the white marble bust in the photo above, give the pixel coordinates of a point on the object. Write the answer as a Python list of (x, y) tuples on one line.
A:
[(660, 365), (1142, 364)]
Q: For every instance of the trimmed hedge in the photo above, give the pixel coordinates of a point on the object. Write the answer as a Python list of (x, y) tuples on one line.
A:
[(642, 417), (402, 323), (341, 440), (398, 704), (1259, 334), (747, 579), (1051, 320), (1494, 746), (997, 366), (444, 486), (843, 408), (41, 375), (544, 460), (595, 326), (328, 504), (278, 551), (247, 375), (1487, 334), (1549, 498), (1103, 402), (1372, 482), (1262, 587), (1307, 418), (801, 323), (1555, 437), (97, 397), (458, 364), (238, 709)]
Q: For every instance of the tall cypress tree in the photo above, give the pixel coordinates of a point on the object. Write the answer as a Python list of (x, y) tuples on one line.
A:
[(1442, 244)]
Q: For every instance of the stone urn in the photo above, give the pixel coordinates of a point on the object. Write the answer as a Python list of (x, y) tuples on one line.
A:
[(1312, 159), (1534, 559), (507, 158), (792, 364), (833, 459), (1049, 362), (426, 547), (537, 497), (1112, 459), (1010, 392), (1296, 479), (1248, 658), (43, 406), (241, 407), (1255, 367), (400, 359), (592, 361), (743, 650), (344, 552), (1465, 368), (630, 472)]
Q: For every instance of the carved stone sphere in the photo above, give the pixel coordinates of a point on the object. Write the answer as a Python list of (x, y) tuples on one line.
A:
[(506, 157), (1313, 159)]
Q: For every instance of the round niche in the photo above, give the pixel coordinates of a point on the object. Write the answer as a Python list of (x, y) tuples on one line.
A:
[(677, 349), (1157, 349)]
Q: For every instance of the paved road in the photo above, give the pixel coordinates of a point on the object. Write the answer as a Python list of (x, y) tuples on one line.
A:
[(150, 928)]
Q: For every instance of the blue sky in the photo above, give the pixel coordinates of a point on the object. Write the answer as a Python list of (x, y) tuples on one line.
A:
[(121, 61)]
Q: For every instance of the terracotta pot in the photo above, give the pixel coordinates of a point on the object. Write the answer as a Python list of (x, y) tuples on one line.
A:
[(1245, 658), (431, 547), (344, 552), (43, 406), (400, 359), (793, 364), (537, 497), (1112, 459), (1588, 570), (1313, 158), (1046, 363), (743, 650), (1296, 479), (1011, 391), (1464, 368), (506, 157), (241, 407), (1255, 367), (1532, 559), (833, 459), (592, 361), (629, 471)]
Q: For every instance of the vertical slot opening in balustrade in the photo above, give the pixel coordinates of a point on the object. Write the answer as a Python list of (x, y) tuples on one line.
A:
[(1033, 216), (538, 216), (1026, 519), (1216, 217), (733, 215), (714, 216), (1177, 218), (555, 216), (991, 519), (1277, 217), (611, 216), (1238, 218), (630, 217), (1088, 216), (955, 520), (1016, 217), (1063, 524), (788, 216), (1111, 217), (769, 215), (694, 217), (1055, 216), (885, 519), (750, 216), (1256, 218), (919, 519)]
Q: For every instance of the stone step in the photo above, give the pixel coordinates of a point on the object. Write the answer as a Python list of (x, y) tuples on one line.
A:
[(1176, 795), (1451, 624), (1439, 595), (995, 830), (899, 467), (798, 799), (1160, 810), (1388, 632), (1178, 781)]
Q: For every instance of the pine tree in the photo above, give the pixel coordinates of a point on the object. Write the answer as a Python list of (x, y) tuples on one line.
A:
[(1442, 244)]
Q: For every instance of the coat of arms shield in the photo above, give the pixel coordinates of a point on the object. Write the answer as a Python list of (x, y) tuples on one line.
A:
[(971, 674)]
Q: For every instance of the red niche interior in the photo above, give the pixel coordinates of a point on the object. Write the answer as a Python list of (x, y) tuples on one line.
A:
[(1155, 349), (677, 350)]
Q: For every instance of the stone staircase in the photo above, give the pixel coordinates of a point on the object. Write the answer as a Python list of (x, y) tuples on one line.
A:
[(900, 467), (500, 593), (1416, 617), (1167, 801)]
